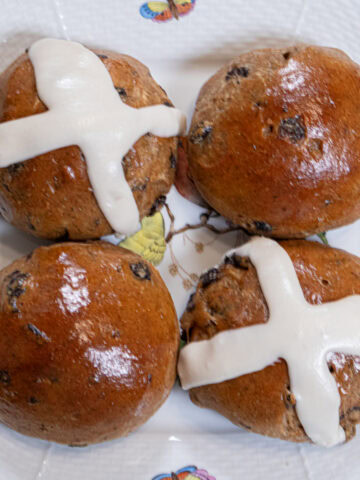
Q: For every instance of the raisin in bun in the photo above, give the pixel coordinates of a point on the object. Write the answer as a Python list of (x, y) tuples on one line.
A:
[(274, 143), (50, 196), (89, 343), (230, 297)]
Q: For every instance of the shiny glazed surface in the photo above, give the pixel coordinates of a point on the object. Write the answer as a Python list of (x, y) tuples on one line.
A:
[(231, 297), (89, 343), (274, 141)]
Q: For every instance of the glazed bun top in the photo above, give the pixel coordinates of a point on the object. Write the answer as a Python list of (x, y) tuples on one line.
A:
[(274, 144), (89, 342), (50, 195), (236, 295)]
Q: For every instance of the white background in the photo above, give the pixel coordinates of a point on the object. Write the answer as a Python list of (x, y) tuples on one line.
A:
[(181, 55)]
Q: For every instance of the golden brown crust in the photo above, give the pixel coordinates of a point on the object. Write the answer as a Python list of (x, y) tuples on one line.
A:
[(274, 143), (262, 401), (88, 345), (50, 196)]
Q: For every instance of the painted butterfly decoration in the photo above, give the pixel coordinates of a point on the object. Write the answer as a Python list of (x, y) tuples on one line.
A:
[(187, 473), (149, 242), (163, 11)]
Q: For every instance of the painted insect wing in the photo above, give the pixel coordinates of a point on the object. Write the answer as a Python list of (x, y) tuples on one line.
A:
[(158, 7), (182, 474), (153, 9), (185, 2), (164, 16), (185, 7)]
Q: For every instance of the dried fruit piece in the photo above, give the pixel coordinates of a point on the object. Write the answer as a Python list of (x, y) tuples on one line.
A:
[(191, 304), (122, 92), (173, 160), (38, 333), (286, 55), (5, 377), (262, 226), (15, 288), (209, 277), (237, 72), (238, 262), (292, 129), (201, 132), (140, 270), (15, 167)]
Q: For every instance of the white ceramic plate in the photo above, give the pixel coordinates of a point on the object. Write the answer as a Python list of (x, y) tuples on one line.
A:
[(181, 55)]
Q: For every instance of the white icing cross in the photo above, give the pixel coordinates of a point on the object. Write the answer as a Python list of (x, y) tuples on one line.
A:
[(300, 333), (86, 110)]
